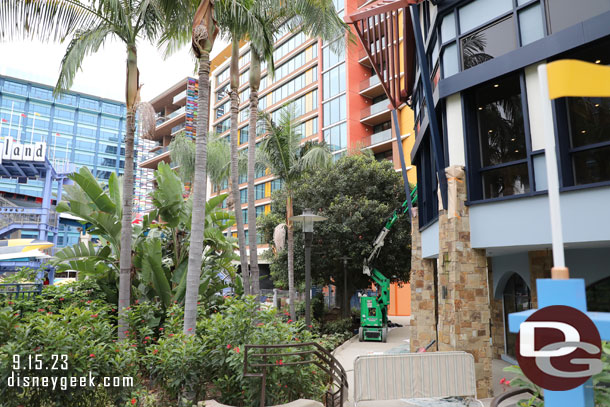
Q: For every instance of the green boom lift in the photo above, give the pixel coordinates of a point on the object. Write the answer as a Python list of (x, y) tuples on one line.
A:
[(374, 310)]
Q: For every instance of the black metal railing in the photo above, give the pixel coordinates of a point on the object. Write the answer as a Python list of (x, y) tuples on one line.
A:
[(307, 353), (20, 291)]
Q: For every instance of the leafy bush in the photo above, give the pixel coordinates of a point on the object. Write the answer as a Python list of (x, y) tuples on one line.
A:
[(85, 336), (183, 365)]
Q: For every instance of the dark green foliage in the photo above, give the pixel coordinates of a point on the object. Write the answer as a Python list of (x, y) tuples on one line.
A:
[(357, 195)]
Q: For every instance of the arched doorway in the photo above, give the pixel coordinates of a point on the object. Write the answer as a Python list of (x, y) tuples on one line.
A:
[(515, 298)]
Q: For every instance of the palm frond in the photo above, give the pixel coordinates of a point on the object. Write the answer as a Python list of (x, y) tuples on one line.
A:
[(182, 153), (82, 44), (46, 19)]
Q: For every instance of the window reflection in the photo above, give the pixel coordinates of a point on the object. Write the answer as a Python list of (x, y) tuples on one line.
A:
[(488, 43)]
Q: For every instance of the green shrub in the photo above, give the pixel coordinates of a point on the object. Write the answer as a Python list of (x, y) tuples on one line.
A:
[(86, 338)]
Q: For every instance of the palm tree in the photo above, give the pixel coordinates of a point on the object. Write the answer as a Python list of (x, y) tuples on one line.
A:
[(283, 154), (317, 19), (182, 153), (89, 25), (240, 21), (204, 32)]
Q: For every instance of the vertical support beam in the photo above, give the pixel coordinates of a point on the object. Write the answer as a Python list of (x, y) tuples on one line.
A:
[(46, 204), (308, 241), (403, 166), (435, 135)]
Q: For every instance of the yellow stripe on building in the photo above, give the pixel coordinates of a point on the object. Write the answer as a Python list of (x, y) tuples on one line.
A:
[(570, 77), (267, 189)]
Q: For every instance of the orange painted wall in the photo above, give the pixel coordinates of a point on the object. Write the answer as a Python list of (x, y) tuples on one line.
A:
[(400, 300), (355, 74)]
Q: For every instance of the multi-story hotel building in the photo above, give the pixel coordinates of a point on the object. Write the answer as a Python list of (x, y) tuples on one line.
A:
[(175, 111), (336, 97), (481, 233), (82, 129)]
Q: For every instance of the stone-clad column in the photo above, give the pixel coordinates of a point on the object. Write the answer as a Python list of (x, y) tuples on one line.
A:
[(423, 318), (464, 308)]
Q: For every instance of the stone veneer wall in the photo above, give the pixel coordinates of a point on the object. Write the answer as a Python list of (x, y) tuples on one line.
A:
[(423, 317), (463, 297), (497, 319), (540, 263)]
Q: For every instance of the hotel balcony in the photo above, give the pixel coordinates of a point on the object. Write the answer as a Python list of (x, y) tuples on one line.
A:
[(166, 124), (160, 154), (375, 114), (371, 87), (379, 139), (363, 59)]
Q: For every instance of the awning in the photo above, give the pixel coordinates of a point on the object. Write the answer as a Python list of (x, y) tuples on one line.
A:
[(386, 33)]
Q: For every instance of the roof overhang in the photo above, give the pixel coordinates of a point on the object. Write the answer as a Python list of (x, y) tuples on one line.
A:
[(385, 30)]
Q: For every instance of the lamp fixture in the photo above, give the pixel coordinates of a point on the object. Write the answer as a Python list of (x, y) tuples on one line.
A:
[(496, 85), (599, 61)]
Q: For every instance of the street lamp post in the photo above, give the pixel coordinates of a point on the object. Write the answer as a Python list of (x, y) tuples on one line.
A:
[(345, 299), (308, 219)]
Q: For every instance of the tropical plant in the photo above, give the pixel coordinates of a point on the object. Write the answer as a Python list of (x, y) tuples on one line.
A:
[(356, 196), (182, 153), (160, 248), (90, 25), (283, 154), (240, 21), (203, 35), (316, 19)]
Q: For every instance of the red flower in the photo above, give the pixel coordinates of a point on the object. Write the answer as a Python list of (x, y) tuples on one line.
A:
[(10, 303), (61, 299), (279, 362), (290, 320), (94, 316), (260, 324), (147, 337), (155, 351), (229, 346), (190, 329), (236, 350), (134, 345), (91, 355), (170, 335), (89, 302), (41, 310), (133, 401), (137, 301)]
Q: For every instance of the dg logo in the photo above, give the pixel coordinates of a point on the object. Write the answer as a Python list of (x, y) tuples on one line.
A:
[(559, 348)]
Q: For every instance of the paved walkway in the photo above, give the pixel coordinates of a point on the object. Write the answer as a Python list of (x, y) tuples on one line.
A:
[(398, 342)]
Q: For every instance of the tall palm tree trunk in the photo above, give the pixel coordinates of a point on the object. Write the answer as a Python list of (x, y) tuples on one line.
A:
[(290, 241), (131, 93), (241, 235), (255, 80), (199, 196)]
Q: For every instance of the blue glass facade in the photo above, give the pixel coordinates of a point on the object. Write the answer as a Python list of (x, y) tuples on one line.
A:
[(81, 129)]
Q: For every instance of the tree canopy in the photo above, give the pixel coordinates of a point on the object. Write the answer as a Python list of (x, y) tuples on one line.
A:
[(357, 195)]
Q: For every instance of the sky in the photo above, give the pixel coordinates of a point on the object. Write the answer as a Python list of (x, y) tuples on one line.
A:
[(103, 73)]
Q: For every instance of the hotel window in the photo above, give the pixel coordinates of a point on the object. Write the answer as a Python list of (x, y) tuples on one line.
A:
[(260, 210), (243, 195), (223, 126), (259, 191), (15, 104), (87, 118), (244, 215), (244, 96), (64, 114), (110, 123), (498, 142), (565, 13), (44, 110), (336, 137), (89, 104), (15, 87), (244, 59), (244, 77), (223, 109), (334, 111), (276, 184), (67, 100), (243, 135), (333, 81), (329, 57), (485, 29), (223, 76), (43, 94), (111, 109), (221, 93), (427, 194), (583, 127)]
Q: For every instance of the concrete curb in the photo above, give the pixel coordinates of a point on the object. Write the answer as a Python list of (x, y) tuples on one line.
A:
[(345, 344)]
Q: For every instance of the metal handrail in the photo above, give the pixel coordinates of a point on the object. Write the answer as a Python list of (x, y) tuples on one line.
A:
[(18, 291), (505, 396), (318, 356)]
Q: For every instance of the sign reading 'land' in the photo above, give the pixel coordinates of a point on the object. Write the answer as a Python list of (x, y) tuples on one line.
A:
[(15, 151)]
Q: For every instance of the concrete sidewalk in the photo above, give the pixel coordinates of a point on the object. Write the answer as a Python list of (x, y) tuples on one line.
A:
[(398, 342)]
